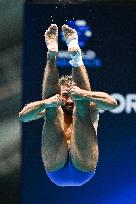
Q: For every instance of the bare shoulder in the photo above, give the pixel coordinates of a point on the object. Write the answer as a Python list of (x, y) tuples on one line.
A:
[(94, 112), (93, 106), (41, 114)]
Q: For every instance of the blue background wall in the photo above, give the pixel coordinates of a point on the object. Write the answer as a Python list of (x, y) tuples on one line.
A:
[(113, 40)]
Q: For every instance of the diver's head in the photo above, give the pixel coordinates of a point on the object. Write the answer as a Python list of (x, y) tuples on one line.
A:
[(68, 104)]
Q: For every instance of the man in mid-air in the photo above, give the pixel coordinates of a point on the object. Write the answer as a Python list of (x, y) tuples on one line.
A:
[(70, 109)]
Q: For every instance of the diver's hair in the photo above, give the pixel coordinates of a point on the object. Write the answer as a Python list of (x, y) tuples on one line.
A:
[(66, 80)]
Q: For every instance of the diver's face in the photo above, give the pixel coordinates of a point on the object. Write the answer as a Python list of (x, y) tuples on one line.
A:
[(68, 103)]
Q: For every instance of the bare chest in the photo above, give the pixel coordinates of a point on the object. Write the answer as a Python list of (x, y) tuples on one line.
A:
[(68, 131), (68, 124)]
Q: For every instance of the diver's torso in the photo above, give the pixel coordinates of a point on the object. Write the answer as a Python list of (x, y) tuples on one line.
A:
[(68, 126)]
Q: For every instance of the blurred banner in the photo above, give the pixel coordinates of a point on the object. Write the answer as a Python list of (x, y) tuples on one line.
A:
[(107, 38)]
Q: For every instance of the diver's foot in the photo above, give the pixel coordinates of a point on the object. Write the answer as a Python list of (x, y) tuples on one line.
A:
[(71, 38), (51, 39)]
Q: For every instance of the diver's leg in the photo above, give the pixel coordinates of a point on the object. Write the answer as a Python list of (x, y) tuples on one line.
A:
[(50, 84), (79, 73), (84, 145), (54, 146)]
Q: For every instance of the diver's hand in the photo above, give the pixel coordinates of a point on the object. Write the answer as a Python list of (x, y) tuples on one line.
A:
[(76, 93), (53, 101)]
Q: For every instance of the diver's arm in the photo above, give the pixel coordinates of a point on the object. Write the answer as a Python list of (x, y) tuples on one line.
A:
[(36, 110), (102, 100), (32, 111)]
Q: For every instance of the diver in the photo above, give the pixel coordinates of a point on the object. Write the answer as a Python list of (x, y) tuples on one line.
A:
[(71, 113)]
